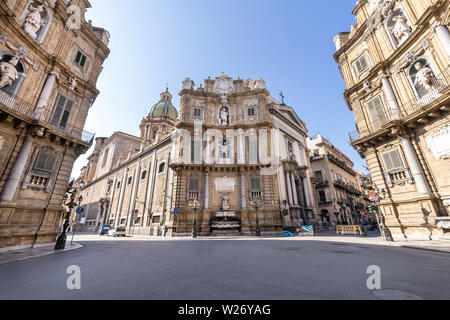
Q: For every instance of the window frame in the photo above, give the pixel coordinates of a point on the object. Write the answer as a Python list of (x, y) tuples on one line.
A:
[(79, 52), (63, 112), (43, 171), (373, 121), (364, 55), (400, 157)]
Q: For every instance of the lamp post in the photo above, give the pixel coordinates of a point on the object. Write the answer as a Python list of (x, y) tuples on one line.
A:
[(254, 203), (194, 204), (69, 201), (385, 232)]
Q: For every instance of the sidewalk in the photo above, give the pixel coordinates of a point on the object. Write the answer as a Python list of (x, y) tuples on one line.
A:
[(371, 239), (25, 254)]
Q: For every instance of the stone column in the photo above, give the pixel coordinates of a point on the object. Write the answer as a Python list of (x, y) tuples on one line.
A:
[(294, 189), (241, 151), (414, 165), (288, 187), (122, 191), (150, 189), (444, 35), (207, 189), (133, 194), (43, 98), (393, 105), (13, 180), (243, 197)]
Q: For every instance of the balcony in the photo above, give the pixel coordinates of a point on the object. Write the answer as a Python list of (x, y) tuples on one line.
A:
[(399, 176), (25, 109), (440, 87), (439, 90)]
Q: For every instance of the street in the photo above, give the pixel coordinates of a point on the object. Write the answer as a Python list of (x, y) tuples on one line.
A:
[(229, 270)]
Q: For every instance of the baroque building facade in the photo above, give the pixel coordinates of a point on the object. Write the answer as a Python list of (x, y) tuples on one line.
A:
[(50, 60), (340, 189), (232, 161), (396, 64)]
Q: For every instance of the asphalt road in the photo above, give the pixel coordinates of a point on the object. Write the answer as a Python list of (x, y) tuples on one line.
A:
[(229, 270)]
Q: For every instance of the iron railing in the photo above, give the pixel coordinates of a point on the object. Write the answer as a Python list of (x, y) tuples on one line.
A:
[(28, 110), (440, 87)]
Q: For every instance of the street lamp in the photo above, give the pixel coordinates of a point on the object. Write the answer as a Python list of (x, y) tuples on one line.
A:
[(254, 203), (385, 232), (69, 201), (194, 204)]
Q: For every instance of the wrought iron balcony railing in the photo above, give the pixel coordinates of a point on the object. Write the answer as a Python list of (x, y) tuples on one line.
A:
[(439, 89), (28, 110)]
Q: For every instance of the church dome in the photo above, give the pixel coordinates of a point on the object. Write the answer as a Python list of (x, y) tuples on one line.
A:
[(164, 108)]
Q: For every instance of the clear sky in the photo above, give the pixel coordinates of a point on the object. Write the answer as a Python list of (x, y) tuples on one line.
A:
[(289, 43)]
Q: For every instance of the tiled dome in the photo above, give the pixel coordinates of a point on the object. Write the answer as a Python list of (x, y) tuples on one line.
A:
[(164, 108)]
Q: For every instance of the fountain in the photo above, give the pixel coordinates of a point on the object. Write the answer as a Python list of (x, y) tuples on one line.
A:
[(225, 222)]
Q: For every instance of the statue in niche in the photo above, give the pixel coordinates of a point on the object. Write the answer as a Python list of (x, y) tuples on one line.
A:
[(33, 20), (401, 29), (8, 72), (225, 204), (224, 116), (386, 7), (424, 77)]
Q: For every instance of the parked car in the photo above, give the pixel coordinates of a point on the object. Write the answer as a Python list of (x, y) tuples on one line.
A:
[(105, 230), (117, 232)]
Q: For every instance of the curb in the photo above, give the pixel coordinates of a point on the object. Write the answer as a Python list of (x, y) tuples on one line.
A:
[(426, 249), (75, 246)]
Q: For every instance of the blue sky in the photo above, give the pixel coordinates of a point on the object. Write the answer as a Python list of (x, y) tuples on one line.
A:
[(289, 43)]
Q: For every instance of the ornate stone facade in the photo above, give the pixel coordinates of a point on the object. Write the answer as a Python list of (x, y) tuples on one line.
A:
[(402, 48), (48, 72), (340, 189), (233, 160)]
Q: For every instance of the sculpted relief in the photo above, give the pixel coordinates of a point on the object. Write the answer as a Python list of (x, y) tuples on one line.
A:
[(439, 142)]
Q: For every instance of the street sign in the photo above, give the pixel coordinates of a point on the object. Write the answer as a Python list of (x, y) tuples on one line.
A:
[(373, 198), (176, 210), (80, 210), (83, 221)]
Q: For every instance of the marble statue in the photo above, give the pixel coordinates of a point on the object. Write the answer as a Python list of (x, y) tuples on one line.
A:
[(8, 72), (224, 116), (33, 20), (225, 204), (386, 7), (401, 29), (424, 77)]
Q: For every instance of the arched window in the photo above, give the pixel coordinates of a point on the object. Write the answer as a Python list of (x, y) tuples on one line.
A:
[(36, 20), (6, 60), (422, 77)]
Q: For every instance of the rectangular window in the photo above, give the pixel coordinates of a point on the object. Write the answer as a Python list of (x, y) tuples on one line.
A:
[(361, 64), (123, 221), (156, 219), (130, 180), (144, 175), (393, 160), (61, 112), (105, 157), (376, 112), (251, 112), (118, 185), (45, 163), (194, 184), (318, 176), (322, 196), (255, 184), (80, 59), (197, 112)]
